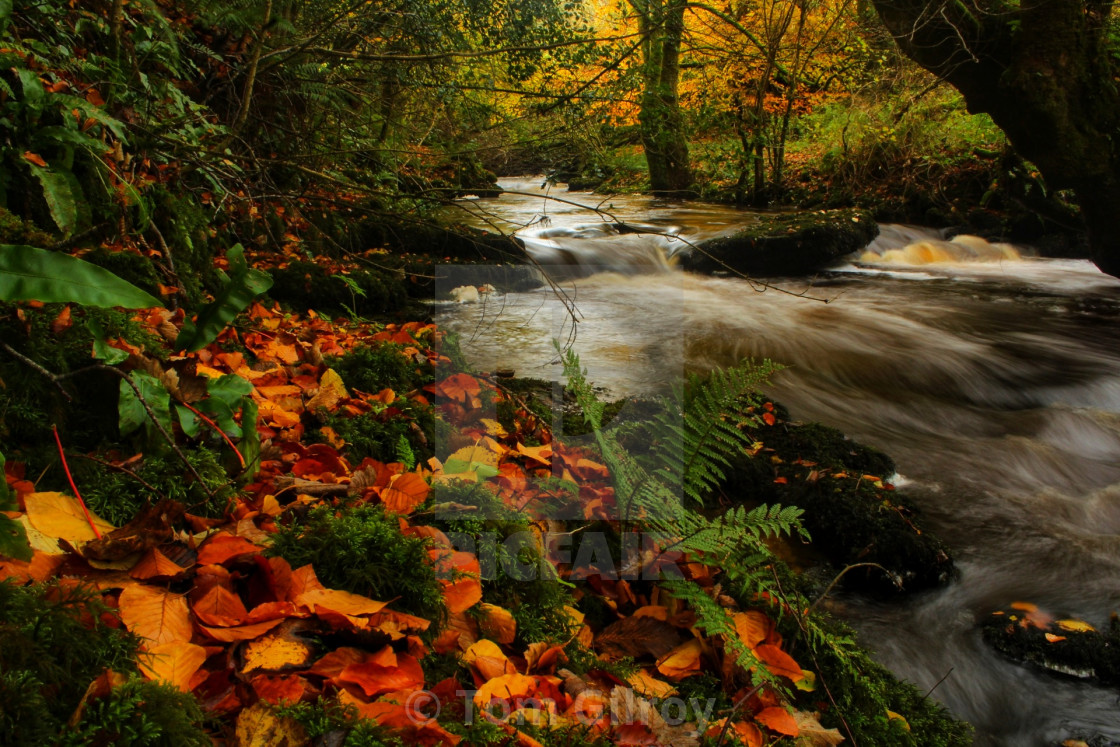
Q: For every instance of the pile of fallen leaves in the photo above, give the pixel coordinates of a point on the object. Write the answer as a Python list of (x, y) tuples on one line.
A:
[(243, 631)]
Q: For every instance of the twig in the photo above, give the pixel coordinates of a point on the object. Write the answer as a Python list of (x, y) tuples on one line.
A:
[(840, 575), (66, 469), (159, 426), (938, 683), (53, 378), (734, 709), (166, 251)]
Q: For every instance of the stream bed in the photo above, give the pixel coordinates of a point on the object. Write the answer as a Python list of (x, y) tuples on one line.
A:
[(990, 376)]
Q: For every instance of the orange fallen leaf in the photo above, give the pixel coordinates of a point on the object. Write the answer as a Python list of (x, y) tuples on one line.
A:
[(752, 627), (505, 687), (222, 547), (542, 454), (155, 565), (497, 623), (332, 390), (384, 672), (34, 158), (459, 576), (240, 632), (779, 662), (220, 607), (682, 661), (405, 492), (156, 615), (776, 718), (277, 651), (174, 662), (487, 660), (342, 602)]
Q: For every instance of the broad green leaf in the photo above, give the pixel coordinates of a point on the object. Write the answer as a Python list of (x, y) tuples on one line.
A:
[(458, 466), (93, 112), (131, 410), (28, 273), (222, 415), (13, 539), (239, 290), (5, 13), (33, 91), (59, 192), (188, 421), (229, 389), (102, 350)]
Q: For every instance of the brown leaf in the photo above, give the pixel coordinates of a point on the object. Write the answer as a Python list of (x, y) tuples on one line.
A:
[(155, 565), (220, 607), (155, 615), (813, 734), (331, 391), (637, 637), (152, 526), (222, 547)]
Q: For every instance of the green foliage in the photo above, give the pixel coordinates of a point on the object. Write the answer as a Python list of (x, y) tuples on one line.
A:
[(386, 436), (362, 550), (30, 403), (53, 643), (13, 537), (372, 368), (329, 722), (31, 274), (306, 285), (239, 288), (117, 496), (141, 714)]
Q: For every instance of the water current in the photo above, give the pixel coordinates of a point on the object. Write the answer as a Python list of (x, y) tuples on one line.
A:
[(991, 377)]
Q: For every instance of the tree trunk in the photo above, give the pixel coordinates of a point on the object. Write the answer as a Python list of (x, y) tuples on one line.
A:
[(661, 22), (1043, 72)]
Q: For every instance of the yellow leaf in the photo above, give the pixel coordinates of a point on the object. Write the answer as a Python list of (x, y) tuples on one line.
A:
[(61, 517), (1076, 626), (650, 687), (493, 428), (331, 391), (259, 726), (174, 663), (812, 734), (542, 454), (1050, 637), (892, 716), (682, 661), (488, 660)]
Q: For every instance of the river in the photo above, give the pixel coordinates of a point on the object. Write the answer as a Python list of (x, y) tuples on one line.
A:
[(991, 377)]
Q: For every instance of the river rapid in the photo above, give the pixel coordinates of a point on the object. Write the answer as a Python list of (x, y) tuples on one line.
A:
[(991, 377)]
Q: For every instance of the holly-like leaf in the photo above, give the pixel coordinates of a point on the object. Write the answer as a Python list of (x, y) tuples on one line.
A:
[(28, 273)]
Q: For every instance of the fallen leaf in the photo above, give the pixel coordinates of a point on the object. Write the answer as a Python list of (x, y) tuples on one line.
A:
[(497, 623), (778, 661), (1076, 626), (223, 547), (776, 718), (487, 660), (174, 662), (61, 517), (405, 492), (813, 734), (155, 565), (156, 615), (278, 651), (260, 726), (332, 390), (505, 687), (682, 661)]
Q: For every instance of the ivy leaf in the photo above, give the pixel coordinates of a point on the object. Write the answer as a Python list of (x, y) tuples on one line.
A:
[(241, 287), (28, 273)]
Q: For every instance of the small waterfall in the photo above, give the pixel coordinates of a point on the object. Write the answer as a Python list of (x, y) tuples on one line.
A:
[(909, 245), (585, 249)]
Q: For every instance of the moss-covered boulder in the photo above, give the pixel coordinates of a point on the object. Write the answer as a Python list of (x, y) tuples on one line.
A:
[(791, 243), (1070, 648), (853, 515)]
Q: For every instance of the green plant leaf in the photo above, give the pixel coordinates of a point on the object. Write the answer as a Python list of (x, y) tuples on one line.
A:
[(188, 421), (250, 444), (59, 192), (13, 539), (131, 409), (241, 287), (28, 273), (102, 350)]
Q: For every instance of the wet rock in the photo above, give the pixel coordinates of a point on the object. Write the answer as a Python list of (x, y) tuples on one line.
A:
[(852, 514), (1068, 648), (793, 243)]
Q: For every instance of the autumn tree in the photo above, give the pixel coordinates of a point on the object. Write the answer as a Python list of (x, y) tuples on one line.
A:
[(1046, 73), (661, 25)]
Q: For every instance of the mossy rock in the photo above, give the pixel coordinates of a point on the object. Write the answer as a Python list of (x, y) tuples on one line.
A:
[(1070, 650), (782, 244), (440, 242), (850, 513)]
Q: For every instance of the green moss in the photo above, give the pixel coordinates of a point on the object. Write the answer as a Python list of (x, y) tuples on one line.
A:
[(30, 403), (141, 714), (329, 722), (372, 368), (53, 643), (15, 230), (865, 691), (134, 268), (362, 550), (386, 436), (117, 497)]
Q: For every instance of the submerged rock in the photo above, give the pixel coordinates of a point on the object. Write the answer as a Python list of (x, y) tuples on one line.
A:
[(793, 243), (1070, 648)]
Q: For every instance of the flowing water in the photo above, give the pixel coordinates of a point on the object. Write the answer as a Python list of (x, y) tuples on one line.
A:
[(991, 377)]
